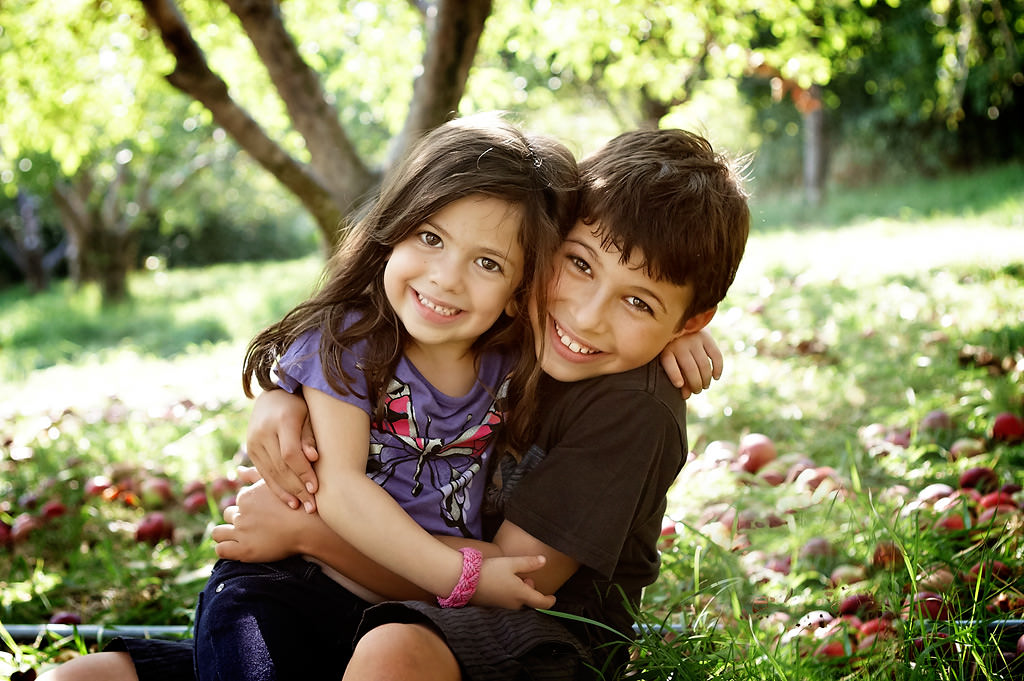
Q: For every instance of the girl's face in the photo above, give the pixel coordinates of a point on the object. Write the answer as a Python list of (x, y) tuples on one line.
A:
[(453, 276)]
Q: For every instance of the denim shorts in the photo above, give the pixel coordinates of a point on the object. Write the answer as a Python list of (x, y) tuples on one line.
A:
[(258, 622)]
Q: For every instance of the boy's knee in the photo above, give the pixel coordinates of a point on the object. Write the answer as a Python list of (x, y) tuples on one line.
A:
[(406, 651)]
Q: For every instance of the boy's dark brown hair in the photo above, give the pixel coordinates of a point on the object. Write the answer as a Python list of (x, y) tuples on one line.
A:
[(669, 195)]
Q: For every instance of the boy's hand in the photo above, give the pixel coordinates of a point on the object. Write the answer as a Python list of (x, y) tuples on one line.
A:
[(280, 444), (692, 361), (260, 529), (502, 586)]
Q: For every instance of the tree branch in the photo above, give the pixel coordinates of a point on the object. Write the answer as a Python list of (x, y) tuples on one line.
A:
[(193, 76), (451, 47), (332, 154)]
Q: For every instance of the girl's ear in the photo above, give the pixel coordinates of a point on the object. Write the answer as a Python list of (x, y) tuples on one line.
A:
[(512, 307)]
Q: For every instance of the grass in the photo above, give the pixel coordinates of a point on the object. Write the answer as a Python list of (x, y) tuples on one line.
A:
[(838, 331)]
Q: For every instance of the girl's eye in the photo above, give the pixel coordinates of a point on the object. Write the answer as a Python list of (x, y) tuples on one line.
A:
[(430, 239), (579, 263), (488, 265), (639, 304)]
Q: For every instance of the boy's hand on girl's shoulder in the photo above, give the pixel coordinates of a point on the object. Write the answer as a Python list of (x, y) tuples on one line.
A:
[(692, 361), (281, 445), (503, 585)]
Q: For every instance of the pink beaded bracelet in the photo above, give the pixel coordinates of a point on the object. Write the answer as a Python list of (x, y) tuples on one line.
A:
[(468, 580)]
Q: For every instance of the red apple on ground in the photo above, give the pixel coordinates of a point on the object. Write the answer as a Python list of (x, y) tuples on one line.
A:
[(65, 617), (935, 491), (830, 649), (96, 485), (981, 478), (53, 509), (887, 555), (196, 502), (847, 574), (669, 532), (755, 450), (862, 605), (966, 447), (23, 526), (154, 528), (928, 605), (997, 498), (221, 487), (1008, 427), (950, 522), (5, 534), (156, 492)]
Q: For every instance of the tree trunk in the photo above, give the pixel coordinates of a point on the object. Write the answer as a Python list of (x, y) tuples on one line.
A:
[(101, 242), (336, 179), (814, 147)]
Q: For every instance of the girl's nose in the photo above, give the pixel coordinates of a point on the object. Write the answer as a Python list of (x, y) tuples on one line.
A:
[(446, 275)]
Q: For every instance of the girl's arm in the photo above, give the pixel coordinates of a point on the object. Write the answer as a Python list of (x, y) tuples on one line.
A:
[(692, 361), (364, 514)]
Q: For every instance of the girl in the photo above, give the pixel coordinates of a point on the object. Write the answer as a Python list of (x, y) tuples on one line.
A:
[(412, 344)]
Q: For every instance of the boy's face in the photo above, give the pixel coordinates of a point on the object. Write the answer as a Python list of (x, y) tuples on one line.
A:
[(605, 316)]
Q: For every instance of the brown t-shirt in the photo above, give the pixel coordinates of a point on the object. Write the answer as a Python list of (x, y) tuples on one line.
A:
[(594, 485)]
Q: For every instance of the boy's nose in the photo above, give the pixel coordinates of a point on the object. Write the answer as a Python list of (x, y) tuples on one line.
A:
[(591, 313)]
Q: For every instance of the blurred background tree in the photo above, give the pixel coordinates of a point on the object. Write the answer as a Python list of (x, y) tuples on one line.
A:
[(186, 132)]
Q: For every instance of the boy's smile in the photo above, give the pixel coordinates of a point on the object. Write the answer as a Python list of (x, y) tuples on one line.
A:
[(605, 316)]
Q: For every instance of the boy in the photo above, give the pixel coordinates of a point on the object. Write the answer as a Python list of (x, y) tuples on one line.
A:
[(663, 227)]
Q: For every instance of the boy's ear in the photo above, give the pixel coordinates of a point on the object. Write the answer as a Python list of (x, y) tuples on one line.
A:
[(697, 322)]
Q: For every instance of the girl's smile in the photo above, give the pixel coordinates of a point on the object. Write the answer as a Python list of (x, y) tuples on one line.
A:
[(454, 275)]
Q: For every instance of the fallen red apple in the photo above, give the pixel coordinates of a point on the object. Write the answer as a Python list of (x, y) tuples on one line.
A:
[(847, 574), (950, 522), (927, 605), (23, 526), (966, 447), (996, 515), (992, 569), (196, 502), (53, 509), (154, 528), (876, 625), (831, 649), (669, 532), (1007, 427), (65, 617), (886, 555), (862, 605), (96, 485), (935, 491), (5, 534), (223, 486), (156, 492), (1020, 645), (755, 450), (981, 478), (997, 498)]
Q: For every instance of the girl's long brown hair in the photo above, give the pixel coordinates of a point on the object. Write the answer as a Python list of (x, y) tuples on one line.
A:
[(481, 154)]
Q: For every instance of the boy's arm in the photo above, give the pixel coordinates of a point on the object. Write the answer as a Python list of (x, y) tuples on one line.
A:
[(280, 444), (692, 361), (364, 514)]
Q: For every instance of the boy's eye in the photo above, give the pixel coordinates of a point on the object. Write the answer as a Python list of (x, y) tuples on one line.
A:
[(579, 263), (489, 265), (430, 239), (639, 304)]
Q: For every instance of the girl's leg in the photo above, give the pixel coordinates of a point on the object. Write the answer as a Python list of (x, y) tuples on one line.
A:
[(402, 652), (108, 666)]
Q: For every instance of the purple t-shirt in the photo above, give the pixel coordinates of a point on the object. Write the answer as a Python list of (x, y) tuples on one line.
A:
[(430, 451)]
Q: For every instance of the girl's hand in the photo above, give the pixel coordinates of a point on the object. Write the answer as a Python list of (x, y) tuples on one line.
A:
[(281, 445), (692, 361), (502, 586), (260, 529)]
